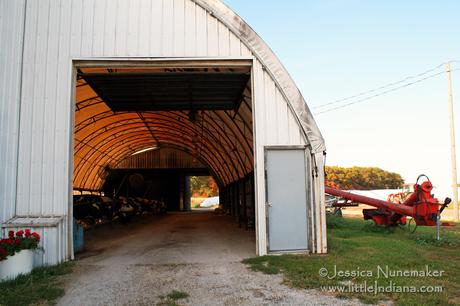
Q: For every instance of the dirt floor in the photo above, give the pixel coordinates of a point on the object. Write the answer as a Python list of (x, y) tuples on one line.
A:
[(197, 253)]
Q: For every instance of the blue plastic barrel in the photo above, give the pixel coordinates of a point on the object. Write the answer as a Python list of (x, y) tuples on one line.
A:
[(78, 237)]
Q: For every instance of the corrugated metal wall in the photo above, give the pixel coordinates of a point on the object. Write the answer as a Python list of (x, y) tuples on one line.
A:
[(11, 34), (57, 31)]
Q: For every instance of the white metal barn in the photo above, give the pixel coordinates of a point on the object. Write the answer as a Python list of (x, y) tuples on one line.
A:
[(84, 84)]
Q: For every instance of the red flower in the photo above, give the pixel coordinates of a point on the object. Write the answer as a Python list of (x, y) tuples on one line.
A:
[(36, 236), (22, 239)]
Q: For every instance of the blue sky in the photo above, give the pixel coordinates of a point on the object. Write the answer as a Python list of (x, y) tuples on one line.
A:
[(334, 49)]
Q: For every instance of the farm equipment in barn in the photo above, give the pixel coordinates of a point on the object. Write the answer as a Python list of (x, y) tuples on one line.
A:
[(420, 205)]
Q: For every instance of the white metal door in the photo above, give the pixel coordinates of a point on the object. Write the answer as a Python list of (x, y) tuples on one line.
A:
[(286, 199)]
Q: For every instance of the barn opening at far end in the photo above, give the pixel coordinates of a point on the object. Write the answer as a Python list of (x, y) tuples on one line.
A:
[(145, 132)]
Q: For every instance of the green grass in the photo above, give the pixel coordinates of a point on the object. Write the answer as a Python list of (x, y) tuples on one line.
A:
[(171, 298), (357, 245), (42, 286)]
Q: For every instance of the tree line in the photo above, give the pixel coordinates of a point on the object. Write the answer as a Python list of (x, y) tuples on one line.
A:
[(362, 178)]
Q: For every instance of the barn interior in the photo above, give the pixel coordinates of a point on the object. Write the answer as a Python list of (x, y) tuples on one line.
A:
[(142, 131)]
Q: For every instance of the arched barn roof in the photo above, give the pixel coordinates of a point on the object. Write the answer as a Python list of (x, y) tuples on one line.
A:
[(220, 139)]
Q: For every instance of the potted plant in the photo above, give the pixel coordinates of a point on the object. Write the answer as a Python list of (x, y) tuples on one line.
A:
[(16, 253)]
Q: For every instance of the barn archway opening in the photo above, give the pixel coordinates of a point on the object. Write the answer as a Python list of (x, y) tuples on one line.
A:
[(143, 129), (203, 192)]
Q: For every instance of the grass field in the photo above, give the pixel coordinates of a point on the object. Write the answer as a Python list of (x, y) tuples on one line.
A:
[(41, 287), (361, 253)]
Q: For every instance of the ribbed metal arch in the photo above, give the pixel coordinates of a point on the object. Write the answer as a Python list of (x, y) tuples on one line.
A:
[(216, 129), (122, 148), (210, 123), (113, 147), (107, 129)]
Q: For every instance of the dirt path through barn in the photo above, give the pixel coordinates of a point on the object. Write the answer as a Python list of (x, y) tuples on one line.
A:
[(196, 253)]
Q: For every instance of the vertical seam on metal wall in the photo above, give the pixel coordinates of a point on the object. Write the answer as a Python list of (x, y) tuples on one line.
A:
[(71, 161), (45, 111), (19, 107)]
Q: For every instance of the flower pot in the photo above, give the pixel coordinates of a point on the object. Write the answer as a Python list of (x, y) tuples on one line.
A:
[(19, 263)]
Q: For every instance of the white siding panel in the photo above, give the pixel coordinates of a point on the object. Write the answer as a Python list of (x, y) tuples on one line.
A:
[(33, 145), (213, 36), (133, 28), (76, 27), (156, 30), (87, 20), (121, 27), (110, 21), (295, 135), (190, 27), (270, 124), (48, 138), (282, 113), (168, 28), (61, 127), (144, 27), (235, 45), (224, 40), (179, 27), (99, 27), (245, 50), (24, 154), (278, 121), (11, 34), (201, 32)]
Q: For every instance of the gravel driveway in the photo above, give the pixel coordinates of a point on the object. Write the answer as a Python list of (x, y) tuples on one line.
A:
[(196, 253)]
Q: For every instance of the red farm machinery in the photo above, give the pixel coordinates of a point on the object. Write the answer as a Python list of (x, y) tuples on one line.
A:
[(420, 205)]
